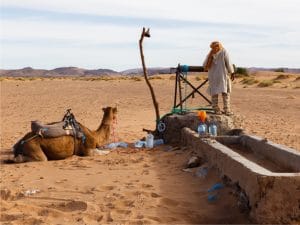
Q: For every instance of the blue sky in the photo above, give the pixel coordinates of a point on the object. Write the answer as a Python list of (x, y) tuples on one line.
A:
[(104, 33)]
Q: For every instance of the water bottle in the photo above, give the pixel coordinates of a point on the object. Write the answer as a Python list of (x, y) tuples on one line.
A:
[(215, 187), (140, 144), (213, 129), (149, 141), (202, 129), (122, 145), (212, 197), (158, 142)]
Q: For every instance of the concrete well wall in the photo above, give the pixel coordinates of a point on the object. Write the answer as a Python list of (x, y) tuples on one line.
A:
[(174, 124)]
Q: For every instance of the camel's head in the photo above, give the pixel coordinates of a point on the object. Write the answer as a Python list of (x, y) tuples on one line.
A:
[(110, 113)]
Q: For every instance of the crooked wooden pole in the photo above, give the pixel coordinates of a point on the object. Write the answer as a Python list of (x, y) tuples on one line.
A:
[(146, 33)]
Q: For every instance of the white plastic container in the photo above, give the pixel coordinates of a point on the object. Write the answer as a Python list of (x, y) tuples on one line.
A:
[(149, 141)]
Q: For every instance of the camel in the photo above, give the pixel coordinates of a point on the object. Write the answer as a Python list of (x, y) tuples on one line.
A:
[(36, 148)]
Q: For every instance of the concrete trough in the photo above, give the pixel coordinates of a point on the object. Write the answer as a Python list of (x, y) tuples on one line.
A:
[(268, 173), (274, 157)]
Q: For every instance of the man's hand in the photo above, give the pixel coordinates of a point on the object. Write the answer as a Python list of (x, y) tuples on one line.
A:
[(232, 77)]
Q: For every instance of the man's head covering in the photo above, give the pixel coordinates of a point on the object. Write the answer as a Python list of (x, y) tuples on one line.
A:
[(215, 46)]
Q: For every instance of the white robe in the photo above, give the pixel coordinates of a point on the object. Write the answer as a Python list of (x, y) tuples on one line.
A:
[(218, 78)]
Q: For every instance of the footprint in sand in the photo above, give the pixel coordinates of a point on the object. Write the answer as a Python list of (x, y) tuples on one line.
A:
[(43, 212), (128, 203), (109, 217), (118, 196), (109, 198), (145, 172), (154, 195), (123, 211), (156, 219), (10, 217), (107, 188), (147, 186), (6, 194), (139, 216), (129, 186), (110, 205), (48, 212), (169, 202), (92, 217), (70, 206), (61, 181)]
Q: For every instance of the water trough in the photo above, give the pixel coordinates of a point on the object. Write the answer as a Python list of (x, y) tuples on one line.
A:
[(268, 173)]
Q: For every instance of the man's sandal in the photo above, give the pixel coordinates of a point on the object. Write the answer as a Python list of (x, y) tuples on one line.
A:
[(228, 113), (218, 112)]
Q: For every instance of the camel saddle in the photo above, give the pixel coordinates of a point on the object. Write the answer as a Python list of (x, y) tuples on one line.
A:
[(57, 129)]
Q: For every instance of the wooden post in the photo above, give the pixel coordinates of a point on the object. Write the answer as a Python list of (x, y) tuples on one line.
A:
[(146, 33)]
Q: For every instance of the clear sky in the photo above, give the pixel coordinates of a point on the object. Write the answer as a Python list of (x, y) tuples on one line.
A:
[(104, 33)]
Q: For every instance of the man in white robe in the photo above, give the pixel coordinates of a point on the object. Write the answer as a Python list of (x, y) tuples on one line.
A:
[(219, 67)]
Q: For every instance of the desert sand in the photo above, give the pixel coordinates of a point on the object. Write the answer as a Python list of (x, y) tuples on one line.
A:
[(128, 186)]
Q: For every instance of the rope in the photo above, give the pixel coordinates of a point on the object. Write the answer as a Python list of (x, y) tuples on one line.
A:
[(28, 139), (113, 133), (185, 89)]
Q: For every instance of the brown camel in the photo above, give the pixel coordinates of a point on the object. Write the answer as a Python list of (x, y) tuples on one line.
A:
[(43, 149)]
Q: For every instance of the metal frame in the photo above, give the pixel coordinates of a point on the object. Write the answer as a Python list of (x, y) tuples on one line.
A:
[(180, 70)]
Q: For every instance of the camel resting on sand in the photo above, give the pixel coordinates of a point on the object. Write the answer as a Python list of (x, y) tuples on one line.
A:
[(31, 148)]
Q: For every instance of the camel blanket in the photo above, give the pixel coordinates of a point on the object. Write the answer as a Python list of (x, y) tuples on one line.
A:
[(53, 130)]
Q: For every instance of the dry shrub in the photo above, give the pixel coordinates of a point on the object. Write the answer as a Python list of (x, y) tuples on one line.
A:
[(135, 78), (241, 72), (102, 78), (266, 83), (298, 78), (172, 77), (200, 77), (32, 78), (21, 78), (282, 77), (155, 78), (95, 78), (249, 81)]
